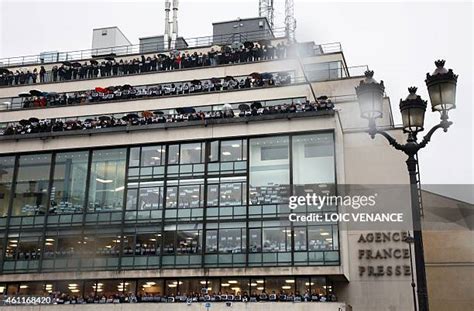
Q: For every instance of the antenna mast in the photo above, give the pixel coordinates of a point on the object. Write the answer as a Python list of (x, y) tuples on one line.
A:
[(290, 21), (265, 9)]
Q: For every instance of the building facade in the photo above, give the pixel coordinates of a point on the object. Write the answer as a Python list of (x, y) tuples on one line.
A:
[(181, 202)]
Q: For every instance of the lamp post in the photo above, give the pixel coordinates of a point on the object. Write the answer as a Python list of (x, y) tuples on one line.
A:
[(409, 240), (442, 91)]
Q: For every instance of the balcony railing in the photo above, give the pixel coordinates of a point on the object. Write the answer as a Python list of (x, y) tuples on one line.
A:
[(196, 42), (18, 103)]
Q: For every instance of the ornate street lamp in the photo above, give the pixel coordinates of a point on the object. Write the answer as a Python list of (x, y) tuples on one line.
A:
[(442, 90)]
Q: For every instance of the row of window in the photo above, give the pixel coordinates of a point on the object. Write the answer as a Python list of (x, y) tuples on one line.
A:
[(175, 177), (197, 245), (318, 285)]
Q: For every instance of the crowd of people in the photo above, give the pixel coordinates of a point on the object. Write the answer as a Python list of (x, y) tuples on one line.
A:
[(39, 99), (110, 66), (195, 297), (35, 125)]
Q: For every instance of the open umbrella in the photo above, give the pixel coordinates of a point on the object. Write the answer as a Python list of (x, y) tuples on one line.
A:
[(227, 107), (76, 64), (4, 70), (67, 63), (256, 105), (87, 120), (36, 93), (244, 107), (126, 87), (147, 114), (324, 97), (158, 112), (24, 122), (228, 78), (196, 82), (93, 61), (33, 120), (24, 94), (132, 116), (51, 94), (163, 55), (100, 90), (104, 118), (109, 58), (248, 44), (215, 80), (267, 75), (256, 75), (185, 110)]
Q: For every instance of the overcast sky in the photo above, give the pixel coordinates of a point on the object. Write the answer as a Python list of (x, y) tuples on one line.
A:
[(399, 40)]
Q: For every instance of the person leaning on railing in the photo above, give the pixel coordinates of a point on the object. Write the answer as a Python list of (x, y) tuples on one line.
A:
[(247, 52)]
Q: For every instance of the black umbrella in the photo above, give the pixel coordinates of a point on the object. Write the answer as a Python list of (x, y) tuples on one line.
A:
[(76, 64), (67, 63), (36, 93), (132, 116), (88, 120), (267, 75), (34, 120), (93, 61), (51, 94), (196, 82), (109, 58), (248, 44), (162, 55), (158, 112), (24, 94), (256, 75), (126, 87), (324, 97), (256, 105), (215, 80), (185, 110), (104, 118), (4, 70), (228, 78), (24, 122), (244, 107)]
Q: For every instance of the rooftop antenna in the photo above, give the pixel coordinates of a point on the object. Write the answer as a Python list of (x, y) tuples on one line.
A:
[(174, 34), (167, 35), (290, 21), (265, 9)]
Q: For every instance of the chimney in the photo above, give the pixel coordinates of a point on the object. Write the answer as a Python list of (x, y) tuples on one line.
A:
[(174, 35), (167, 35)]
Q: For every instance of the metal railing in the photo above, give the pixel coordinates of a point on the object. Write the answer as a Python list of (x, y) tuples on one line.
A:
[(18, 103), (142, 48)]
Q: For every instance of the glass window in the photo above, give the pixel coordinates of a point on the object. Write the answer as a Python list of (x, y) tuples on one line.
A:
[(276, 239), (232, 240), (269, 170), (32, 185), (233, 150), (189, 193), (107, 180), (313, 163), (7, 165), (152, 287), (69, 184), (235, 286), (72, 288), (320, 238), (152, 156), (285, 285), (192, 153)]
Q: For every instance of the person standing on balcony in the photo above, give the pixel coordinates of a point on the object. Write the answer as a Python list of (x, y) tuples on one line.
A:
[(42, 73)]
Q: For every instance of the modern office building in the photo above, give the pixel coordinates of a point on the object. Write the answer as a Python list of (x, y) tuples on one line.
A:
[(160, 208)]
